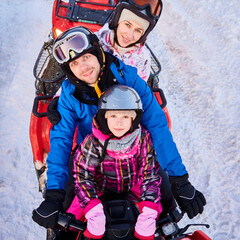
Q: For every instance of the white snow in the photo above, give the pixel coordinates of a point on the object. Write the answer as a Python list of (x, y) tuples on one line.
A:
[(198, 45)]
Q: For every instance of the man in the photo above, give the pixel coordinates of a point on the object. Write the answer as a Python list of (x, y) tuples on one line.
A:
[(90, 72)]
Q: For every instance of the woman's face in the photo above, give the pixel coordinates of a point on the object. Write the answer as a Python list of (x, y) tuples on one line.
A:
[(128, 32)]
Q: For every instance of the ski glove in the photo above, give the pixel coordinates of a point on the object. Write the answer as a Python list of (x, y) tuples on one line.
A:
[(46, 214), (96, 219), (52, 113), (188, 198), (146, 223)]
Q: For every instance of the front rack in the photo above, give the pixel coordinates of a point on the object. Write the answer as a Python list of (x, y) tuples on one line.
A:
[(76, 13)]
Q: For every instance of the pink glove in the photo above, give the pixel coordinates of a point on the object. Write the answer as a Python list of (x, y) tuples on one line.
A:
[(96, 220), (146, 223)]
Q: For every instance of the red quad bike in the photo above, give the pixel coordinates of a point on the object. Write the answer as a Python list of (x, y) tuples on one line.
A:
[(92, 14)]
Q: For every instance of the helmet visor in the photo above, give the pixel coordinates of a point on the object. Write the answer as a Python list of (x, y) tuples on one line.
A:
[(153, 7), (77, 42)]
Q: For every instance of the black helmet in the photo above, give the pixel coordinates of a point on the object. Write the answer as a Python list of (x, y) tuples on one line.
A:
[(149, 10), (119, 97), (73, 43)]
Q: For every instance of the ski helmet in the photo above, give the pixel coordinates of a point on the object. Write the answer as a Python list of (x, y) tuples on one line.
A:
[(74, 43), (122, 98), (149, 10)]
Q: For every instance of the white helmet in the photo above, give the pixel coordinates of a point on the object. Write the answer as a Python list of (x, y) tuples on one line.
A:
[(119, 97)]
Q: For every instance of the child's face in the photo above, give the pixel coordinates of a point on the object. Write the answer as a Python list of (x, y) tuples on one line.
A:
[(128, 32), (86, 68), (119, 123)]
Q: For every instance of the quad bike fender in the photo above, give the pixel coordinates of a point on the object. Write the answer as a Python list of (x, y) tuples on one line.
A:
[(39, 132), (160, 97), (198, 235), (39, 137)]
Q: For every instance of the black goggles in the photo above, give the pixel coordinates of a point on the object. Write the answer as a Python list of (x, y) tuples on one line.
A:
[(78, 42), (153, 8)]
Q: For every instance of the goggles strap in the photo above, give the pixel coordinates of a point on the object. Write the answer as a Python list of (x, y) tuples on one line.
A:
[(96, 87)]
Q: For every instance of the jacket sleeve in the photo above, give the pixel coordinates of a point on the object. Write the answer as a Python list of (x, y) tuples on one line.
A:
[(61, 139), (148, 171), (154, 120), (85, 163)]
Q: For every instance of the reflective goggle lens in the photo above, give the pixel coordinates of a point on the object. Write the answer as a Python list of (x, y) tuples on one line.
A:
[(156, 5), (77, 42)]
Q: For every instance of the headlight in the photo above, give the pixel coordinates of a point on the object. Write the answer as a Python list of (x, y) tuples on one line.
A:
[(169, 229), (57, 32)]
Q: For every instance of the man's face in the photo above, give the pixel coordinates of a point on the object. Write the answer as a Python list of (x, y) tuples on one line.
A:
[(86, 68)]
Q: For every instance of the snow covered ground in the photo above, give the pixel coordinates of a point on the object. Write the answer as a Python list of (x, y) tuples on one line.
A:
[(198, 45)]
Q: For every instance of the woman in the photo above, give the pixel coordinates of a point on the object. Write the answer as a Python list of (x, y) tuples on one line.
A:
[(125, 35)]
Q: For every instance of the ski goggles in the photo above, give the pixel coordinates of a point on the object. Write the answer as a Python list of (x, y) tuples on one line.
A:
[(78, 42), (153, 8)]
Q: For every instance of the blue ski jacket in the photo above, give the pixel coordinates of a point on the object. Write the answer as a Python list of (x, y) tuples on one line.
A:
[(75, 113)]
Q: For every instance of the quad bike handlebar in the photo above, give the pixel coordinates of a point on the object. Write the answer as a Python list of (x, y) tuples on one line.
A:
[(66, 221), (167, 227)]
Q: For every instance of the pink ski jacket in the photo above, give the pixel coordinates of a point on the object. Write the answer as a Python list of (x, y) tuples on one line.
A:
[(120, 169)]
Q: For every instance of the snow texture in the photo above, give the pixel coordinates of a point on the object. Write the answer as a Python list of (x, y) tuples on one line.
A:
[(198, 45)]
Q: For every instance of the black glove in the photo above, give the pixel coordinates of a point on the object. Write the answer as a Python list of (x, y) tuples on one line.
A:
[(52, 113), (188, 198), (46, 214)]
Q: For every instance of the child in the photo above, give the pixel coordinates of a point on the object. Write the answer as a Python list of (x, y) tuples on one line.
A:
[(126, 33), (118, 156)]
